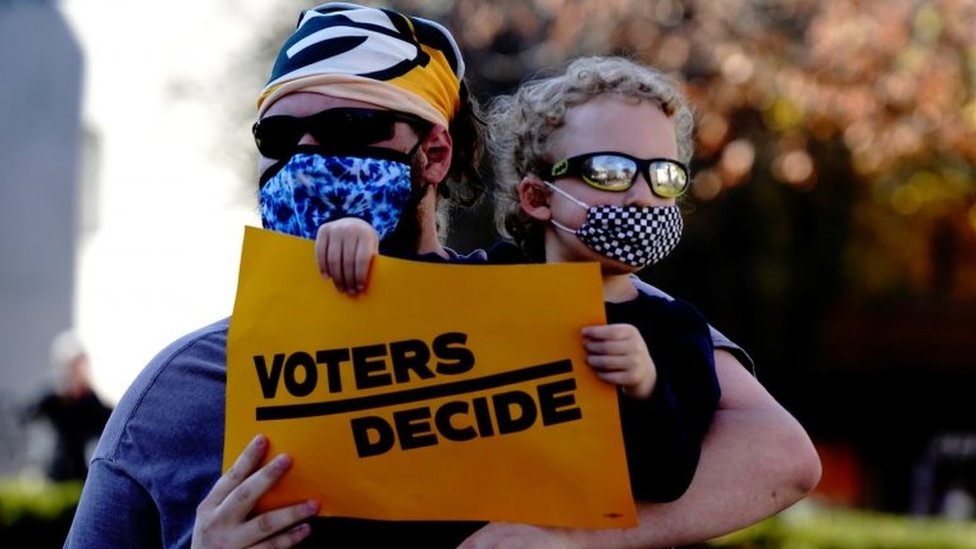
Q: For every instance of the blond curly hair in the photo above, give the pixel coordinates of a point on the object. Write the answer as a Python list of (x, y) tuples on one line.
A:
[(520, 125)]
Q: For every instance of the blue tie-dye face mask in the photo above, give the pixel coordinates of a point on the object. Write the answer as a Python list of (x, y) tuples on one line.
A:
[(314, 187)]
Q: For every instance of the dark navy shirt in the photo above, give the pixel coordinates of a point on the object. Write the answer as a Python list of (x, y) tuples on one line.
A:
[(663, 435)]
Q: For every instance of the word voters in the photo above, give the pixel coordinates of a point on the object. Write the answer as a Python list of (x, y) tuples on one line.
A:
[(374, 365)]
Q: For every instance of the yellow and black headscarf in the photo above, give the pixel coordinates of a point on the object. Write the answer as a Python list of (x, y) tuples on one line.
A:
[(376, 55)]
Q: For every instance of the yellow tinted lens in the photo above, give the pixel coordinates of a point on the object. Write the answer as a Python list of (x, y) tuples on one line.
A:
[(668, 180), (610, 173)]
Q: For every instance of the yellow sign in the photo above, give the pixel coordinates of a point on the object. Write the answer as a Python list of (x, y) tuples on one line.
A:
[(444, 392)]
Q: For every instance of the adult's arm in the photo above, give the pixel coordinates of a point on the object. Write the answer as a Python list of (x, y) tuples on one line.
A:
[(160, 452), (114, 511), (756, 460)]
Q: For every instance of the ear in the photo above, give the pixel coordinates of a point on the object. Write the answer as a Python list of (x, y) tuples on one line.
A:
[(437, 148), (534, 197)]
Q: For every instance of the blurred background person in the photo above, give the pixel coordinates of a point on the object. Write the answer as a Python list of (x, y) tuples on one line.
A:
[(73, 413)]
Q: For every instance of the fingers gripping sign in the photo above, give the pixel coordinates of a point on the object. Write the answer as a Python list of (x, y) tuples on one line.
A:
[(619, 355), (224, 518), (344, 249)]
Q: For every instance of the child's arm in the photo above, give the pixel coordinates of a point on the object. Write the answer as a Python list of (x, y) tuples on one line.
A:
[(618, 355), (344, 249)]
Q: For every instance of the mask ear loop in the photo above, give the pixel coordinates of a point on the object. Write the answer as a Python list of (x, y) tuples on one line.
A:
[(417, 193), (421, 191), (416, 147), (411, 154), (575, 200)]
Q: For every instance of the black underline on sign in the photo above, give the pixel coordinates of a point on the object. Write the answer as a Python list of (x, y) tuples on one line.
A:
[(312, 409)]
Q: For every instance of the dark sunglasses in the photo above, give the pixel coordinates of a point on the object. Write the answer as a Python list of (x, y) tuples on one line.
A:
[(617, 172), (277, 136)]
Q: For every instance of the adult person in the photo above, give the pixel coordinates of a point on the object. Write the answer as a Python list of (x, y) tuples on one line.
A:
[(160, 456), (354, 90), (75, 413)]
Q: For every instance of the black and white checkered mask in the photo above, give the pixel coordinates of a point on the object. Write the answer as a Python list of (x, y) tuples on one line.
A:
[(636, 235)]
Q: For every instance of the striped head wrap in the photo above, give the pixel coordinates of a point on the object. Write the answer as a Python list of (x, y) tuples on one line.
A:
[(375, 55)]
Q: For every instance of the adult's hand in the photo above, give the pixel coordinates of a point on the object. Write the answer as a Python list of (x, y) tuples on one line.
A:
[(224, 518)]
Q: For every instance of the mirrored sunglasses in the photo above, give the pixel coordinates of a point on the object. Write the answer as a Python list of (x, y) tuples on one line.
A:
[(617, 172), (277, 136)]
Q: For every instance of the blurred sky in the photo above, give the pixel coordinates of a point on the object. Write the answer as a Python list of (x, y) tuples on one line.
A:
[(163, 253)]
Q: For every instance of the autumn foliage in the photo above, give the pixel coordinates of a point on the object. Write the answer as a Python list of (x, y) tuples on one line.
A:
[(804, 94)]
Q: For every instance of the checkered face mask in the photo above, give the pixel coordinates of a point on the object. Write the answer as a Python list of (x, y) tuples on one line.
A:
[(636, 235)]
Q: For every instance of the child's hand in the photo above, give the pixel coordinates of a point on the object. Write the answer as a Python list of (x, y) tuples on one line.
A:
[(618, 354), (344, 249)]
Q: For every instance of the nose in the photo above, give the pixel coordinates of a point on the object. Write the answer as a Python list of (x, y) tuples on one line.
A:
[(307, 139), (640, 194)]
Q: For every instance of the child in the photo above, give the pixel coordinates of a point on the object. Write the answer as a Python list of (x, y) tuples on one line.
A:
[(589, 164)]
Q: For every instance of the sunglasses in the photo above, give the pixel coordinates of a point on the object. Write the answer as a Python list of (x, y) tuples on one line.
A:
[(277, 136), (617, 172)]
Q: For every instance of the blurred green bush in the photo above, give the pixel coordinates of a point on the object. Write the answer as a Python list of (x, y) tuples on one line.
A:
[(37, 510), (811, 527), (42, 511)]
